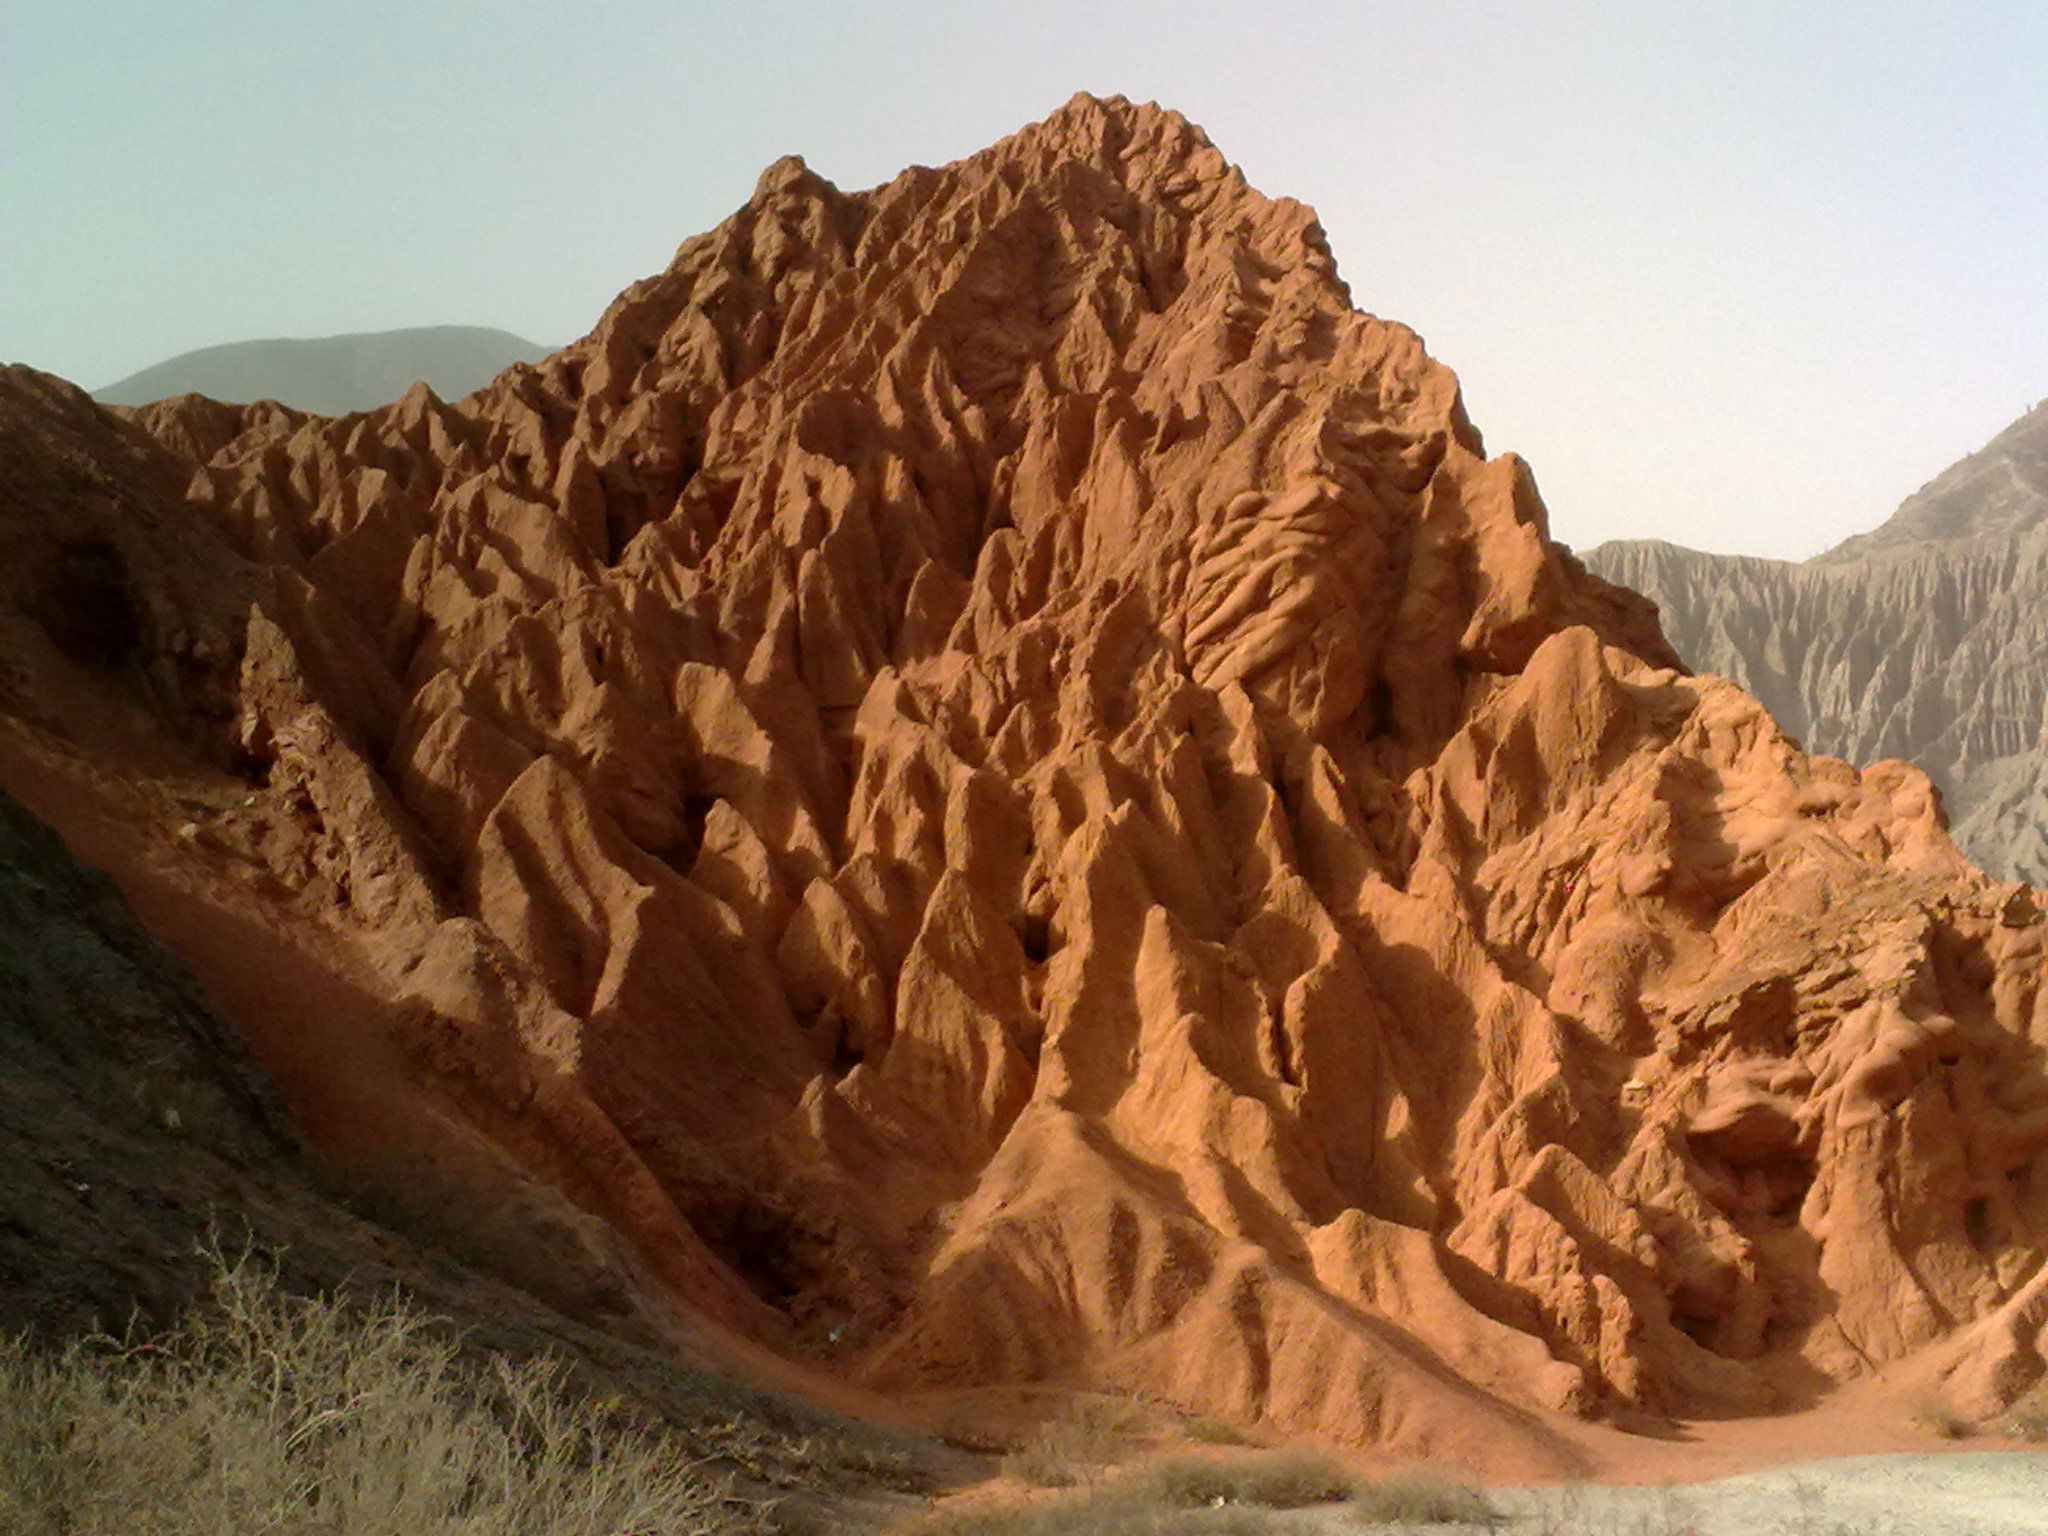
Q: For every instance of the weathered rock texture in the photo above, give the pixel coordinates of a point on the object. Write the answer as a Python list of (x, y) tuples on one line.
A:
[(989, 772), (1926, 639)]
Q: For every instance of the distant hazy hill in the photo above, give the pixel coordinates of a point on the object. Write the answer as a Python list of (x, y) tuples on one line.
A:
[(333, 375), (2000, 490), (1926, 638)]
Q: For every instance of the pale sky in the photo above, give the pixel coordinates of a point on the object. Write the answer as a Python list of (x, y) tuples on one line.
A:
[(1740, 275)]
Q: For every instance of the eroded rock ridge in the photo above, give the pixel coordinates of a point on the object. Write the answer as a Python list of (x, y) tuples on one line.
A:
[(990, 773), (1925, 639)]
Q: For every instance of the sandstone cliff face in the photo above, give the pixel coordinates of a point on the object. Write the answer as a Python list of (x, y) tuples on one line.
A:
[(989, 772), (1926, 639)]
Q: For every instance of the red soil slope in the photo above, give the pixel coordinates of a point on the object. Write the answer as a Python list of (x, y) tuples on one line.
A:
[(988, 771)]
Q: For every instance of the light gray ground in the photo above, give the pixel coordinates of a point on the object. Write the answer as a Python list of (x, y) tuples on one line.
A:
[(1987, 1493), (1984, 1493)]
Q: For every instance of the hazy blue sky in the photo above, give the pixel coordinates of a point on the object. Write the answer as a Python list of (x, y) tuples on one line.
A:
[(1738, 274)]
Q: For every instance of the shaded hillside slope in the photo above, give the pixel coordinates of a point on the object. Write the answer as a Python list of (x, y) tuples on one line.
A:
[(137, 1141), (332, 375), (1926, 639), (989, 773)]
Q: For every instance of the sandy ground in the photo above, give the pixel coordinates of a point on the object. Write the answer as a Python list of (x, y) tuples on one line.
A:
[(1975, 1493), (1989, 1493), (1983, 1493), (1859, 1462)]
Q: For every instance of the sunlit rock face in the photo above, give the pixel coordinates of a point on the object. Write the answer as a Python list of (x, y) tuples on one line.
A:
[(1925, 639), (990, 773)]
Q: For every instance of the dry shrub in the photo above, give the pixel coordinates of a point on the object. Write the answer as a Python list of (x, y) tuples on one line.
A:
[(1938, 1419), (1080, 1440), (1101, 1513), (268, 1412), (1045, 1461), (1420, 1497), (1289, 1479), (1115, 1417), (1207, 1431), (1173, 1496)]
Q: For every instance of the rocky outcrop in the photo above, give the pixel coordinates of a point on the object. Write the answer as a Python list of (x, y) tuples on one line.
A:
[(1926, 639), (989, 772)]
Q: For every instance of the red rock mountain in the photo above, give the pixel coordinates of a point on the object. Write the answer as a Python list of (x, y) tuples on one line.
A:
[(988, 771)]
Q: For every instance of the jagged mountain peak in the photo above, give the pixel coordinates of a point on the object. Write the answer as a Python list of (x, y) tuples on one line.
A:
[(1105, 207)]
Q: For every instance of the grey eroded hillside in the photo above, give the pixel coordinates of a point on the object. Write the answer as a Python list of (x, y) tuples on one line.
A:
[(1925, 639)]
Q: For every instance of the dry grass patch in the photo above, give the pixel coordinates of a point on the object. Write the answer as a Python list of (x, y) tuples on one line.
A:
[(1207, 1431), (269, 1412), (1059, 1455), (1088, 1434), (1189, 1495), (1288, 1479), (1420, 1497), (1940, 1420), (1100, 1513)]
